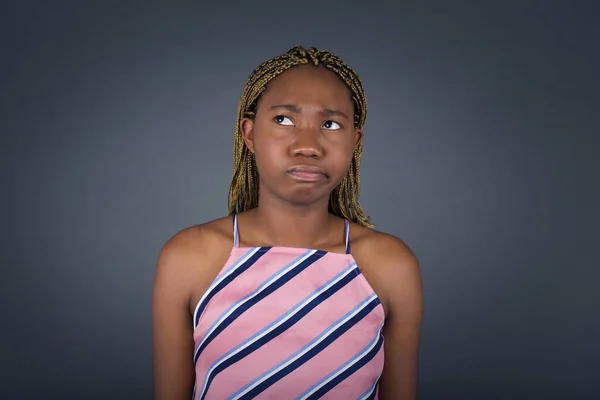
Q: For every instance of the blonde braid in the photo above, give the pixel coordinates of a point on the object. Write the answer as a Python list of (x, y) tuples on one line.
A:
[(243, 192)]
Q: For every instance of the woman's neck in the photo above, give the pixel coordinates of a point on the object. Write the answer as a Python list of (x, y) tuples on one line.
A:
[(289, 225)]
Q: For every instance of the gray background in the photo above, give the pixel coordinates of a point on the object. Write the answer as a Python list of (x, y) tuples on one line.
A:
[(481, 153)]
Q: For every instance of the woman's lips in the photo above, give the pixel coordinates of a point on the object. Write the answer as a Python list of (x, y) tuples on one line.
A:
[(306, 173)]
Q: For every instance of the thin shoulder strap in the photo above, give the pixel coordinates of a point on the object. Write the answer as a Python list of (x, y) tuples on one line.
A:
[(236, 232), (347, 235)]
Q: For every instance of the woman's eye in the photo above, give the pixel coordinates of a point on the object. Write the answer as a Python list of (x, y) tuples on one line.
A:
[(281, 120), (331, 125)]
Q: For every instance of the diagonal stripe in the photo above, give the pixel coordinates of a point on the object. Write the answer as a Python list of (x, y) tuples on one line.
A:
[(281, 324), (367, 356), (371, 392), (348, 368), (309, 351), (269, 286), (241, 265)]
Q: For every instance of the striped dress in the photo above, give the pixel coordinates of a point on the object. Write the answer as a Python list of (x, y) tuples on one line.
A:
[(288, 323)]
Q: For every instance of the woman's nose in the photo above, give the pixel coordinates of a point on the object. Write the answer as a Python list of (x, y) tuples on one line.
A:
[(308, 143)]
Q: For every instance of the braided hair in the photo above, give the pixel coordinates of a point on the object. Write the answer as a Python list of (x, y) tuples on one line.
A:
[(243, 192)]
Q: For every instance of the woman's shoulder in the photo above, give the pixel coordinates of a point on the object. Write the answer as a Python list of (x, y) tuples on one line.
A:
[(202, 235), (386, 261), (374, 243), (197, 245)]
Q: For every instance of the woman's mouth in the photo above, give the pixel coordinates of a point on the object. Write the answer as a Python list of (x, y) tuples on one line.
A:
[(306, 173)]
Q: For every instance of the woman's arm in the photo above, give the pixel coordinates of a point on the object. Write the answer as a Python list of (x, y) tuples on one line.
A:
[(171, 323), (400, 280)]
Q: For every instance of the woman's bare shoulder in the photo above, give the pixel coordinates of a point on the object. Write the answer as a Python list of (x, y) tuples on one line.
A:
[(195, 248), (373, 244), (387, 263), (200, 238)]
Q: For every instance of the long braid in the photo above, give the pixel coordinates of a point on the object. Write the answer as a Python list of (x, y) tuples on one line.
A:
[(243, 192)]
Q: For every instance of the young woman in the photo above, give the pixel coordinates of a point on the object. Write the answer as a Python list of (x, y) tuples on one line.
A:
[(291, 295)]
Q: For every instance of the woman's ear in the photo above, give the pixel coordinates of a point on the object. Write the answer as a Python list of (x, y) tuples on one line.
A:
[(358, 134), (247, 131)]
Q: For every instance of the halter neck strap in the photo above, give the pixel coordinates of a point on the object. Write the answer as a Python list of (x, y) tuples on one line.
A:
[(236, 232), (347, 235)]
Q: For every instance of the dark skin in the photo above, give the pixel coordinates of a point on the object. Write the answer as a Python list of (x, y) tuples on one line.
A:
[(303, 138)]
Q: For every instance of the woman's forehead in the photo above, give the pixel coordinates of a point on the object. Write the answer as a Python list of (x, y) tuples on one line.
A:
[(308, 84)]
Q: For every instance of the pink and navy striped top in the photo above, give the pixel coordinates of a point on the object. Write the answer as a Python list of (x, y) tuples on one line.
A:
[(288, 323)]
